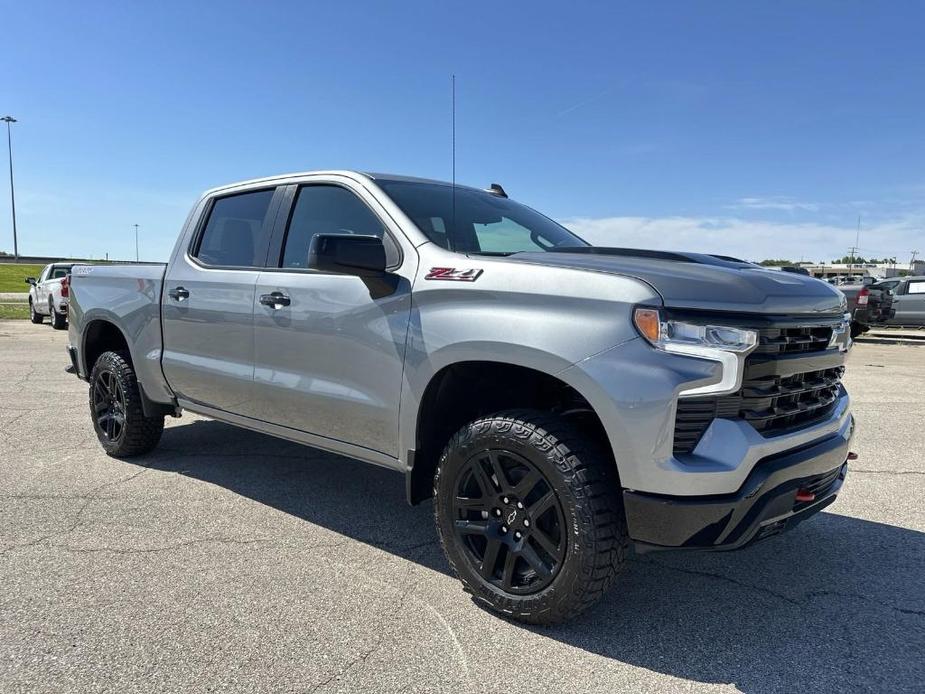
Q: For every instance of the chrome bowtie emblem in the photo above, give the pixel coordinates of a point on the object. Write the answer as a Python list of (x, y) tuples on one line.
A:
[(510, 518)]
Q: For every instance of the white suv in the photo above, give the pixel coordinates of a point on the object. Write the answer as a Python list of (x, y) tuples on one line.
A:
[(48, 296)]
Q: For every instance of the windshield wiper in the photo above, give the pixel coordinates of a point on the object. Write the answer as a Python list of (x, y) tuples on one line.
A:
[(495, 253)]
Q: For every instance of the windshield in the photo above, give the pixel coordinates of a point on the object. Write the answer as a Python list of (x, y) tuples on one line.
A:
[(476, 222)]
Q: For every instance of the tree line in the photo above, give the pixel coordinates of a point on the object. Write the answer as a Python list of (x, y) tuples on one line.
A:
[(844, 260)]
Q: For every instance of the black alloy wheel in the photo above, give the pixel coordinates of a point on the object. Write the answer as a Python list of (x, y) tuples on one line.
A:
[(116, 409), (109, 406), (509, 521), (529, 512)]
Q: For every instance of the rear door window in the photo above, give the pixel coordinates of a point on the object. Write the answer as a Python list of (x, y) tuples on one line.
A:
[(237, 231), (917, 287)]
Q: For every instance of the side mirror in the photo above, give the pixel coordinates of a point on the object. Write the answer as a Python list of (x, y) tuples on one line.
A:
[(30, 280), (347, 254)]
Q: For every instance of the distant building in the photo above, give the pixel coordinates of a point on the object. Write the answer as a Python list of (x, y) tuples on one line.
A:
[(859, 270)]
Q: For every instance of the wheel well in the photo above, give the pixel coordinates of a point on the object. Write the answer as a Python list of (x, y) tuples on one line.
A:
[(102, 336), (462, 392)]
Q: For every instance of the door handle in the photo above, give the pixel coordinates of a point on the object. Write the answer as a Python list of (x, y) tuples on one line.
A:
[(275, 300), (178, 294)]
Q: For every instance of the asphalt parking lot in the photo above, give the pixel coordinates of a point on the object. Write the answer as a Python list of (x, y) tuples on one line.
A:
[(229, 561)]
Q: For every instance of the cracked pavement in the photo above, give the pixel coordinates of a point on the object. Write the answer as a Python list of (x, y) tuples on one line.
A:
[(229, 561)]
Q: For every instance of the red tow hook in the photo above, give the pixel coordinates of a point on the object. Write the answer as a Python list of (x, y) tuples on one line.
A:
[(852, 455), (803, 495)]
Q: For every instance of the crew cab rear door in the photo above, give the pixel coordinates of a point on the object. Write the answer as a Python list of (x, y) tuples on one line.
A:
[(329, 354), (208, 301)]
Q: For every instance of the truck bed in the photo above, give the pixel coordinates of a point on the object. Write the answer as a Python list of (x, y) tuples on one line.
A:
[(129, 297)]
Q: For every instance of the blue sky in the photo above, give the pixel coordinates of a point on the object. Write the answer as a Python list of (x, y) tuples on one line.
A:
[(745, 128)]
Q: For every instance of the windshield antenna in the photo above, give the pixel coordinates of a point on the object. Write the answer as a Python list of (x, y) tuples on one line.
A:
[(451, 236)]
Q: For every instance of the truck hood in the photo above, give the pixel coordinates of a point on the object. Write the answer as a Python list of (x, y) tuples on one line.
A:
[(703, 282)]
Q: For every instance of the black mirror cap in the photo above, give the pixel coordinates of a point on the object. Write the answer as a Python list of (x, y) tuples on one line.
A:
[(30, 280), (347, 254)]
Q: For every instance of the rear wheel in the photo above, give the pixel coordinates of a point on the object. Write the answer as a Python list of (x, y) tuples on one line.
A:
[(529, 513), (58, 320), (34, 315), (115, 406)]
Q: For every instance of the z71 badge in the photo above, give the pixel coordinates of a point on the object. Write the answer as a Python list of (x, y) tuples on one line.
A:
[(452, 274)]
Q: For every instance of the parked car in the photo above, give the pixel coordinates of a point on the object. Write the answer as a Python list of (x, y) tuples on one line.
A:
[(908, 294), (866, 305), (887, 284), (558, 401), (48, 295)]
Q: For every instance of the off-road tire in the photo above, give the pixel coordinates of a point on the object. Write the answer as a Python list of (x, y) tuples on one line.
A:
[(583, 476), (34, 315), (140, 434), (58, 320)]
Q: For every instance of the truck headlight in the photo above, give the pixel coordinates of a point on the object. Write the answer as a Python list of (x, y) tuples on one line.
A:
[(725, 344)]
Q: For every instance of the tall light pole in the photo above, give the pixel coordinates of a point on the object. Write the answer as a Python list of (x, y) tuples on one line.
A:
[(136, 243), (9, 143)]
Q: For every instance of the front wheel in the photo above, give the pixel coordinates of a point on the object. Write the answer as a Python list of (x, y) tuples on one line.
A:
[(58, 320), (115, 406), (34, 315), (529, 513)]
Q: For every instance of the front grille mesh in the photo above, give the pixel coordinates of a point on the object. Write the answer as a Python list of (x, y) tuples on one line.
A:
[(810, 338), (776, 403), (771, 403)]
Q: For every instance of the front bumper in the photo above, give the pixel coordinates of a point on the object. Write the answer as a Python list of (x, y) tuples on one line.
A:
[(634, 389), (765, 505)]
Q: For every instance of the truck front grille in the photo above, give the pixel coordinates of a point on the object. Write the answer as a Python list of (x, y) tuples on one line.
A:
[(776, 403), (786, 340), (791, 381)]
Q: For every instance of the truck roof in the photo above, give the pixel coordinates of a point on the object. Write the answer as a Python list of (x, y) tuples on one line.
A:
[(336, 172)]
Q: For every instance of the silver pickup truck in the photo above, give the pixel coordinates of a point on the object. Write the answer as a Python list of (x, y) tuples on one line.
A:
[(560, 402)]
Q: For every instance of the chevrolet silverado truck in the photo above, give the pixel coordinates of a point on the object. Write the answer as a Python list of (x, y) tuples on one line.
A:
[(560, 402), (48, 295)]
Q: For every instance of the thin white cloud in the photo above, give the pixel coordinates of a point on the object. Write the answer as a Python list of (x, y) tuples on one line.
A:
[(776, 202), (584, 102), (753, 240)]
